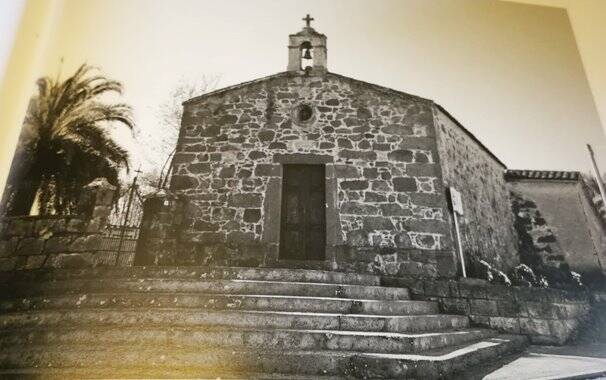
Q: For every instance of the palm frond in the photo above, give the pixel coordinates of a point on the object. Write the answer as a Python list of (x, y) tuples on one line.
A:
[(67, 139)]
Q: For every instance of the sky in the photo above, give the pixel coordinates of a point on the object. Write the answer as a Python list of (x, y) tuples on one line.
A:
[(9, 19), (510, 73)]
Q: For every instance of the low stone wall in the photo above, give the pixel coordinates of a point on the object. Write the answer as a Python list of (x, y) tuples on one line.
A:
[(546, 316), (30, 242), (594, 331)]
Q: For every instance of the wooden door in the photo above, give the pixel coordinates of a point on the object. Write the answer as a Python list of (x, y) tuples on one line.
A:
[(303, 218)]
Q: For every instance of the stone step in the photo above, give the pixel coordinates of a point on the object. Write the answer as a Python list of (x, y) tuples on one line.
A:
[(193, 273), (144, 373), (241, 319), (444, 363), (279, 339), (153, 285), (221, 302), (167, 361)]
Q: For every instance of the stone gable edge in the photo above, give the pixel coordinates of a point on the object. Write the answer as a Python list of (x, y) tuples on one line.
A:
[(470, 135), (286, 74), (371, 86)]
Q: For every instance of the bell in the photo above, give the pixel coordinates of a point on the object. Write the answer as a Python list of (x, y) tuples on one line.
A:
[(307, 54)]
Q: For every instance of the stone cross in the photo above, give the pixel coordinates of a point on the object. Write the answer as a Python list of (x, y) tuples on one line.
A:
[(308, 19)]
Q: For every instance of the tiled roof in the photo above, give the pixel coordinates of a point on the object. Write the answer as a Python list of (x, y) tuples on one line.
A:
[(542, 175)]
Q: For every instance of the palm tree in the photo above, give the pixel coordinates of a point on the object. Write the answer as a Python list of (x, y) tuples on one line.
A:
[(66, 143)]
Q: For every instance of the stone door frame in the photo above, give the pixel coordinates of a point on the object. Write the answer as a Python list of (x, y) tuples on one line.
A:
[(273, 205)]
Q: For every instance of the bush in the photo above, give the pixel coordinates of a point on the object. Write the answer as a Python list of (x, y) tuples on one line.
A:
[(523, 275), (483, 270), (540, 276), (544, 276)]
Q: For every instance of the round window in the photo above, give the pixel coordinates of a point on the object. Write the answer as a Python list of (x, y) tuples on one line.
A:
[(304, 113)]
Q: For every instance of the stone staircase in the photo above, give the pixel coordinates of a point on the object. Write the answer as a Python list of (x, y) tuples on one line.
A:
[(230, 323)]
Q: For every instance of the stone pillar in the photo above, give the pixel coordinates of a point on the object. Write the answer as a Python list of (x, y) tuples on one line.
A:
[(95, 204), (160, 226)]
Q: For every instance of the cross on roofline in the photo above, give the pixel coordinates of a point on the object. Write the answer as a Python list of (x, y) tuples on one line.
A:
[(308, 20)]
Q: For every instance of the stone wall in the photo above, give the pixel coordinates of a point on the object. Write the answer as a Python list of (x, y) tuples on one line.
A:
[(595, 198), (537, 241), (557, 220), (159, 229), (386, 209), (487, 226), (546, 316), (31, 242), (594, 331)]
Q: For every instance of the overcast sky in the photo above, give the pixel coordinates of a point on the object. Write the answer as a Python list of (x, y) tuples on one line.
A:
[(509, 72)]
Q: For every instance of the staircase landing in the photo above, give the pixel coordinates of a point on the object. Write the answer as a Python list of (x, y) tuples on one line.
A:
[(231, 323)]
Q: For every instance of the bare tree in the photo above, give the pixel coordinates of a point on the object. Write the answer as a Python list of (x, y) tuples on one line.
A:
[(161, 142), (172, 110)]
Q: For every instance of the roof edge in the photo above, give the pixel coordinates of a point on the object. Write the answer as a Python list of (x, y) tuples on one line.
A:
[(380, 88), (288, 73), (236, 86), (542, 175), (471, 135)]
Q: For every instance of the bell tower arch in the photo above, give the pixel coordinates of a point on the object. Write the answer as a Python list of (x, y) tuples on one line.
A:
[(307, 50)]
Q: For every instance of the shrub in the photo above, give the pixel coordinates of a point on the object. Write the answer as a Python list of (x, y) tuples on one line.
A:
[(523, 275), (484, 270), (543, 276)]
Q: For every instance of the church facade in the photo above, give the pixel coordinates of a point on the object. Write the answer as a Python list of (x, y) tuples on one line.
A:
[(308, 168)]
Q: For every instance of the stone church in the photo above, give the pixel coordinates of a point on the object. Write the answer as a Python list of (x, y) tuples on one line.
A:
[(311, 168), (308, 232)]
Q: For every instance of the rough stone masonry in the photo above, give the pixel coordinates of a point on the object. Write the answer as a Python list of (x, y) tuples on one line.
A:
[(386, 205)]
